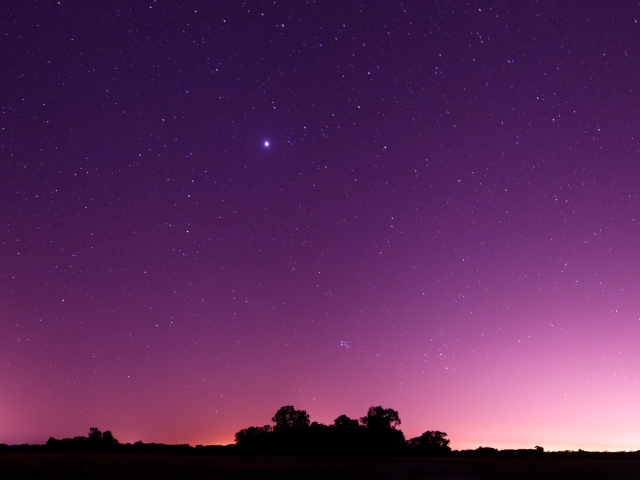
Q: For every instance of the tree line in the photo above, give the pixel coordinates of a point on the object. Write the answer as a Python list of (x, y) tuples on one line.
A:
[(97, 442), (374, 434)]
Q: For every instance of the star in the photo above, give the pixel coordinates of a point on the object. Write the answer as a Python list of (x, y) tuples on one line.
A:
[(266, 143)]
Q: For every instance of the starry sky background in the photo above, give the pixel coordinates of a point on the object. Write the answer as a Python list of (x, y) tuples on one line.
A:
[(445, 220)]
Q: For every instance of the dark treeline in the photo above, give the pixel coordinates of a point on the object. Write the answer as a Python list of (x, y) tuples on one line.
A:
[(375, 434), (98, 442)]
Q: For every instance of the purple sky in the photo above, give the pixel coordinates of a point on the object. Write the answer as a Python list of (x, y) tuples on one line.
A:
[(214, 209)]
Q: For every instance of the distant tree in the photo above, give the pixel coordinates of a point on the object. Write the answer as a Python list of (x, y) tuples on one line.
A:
[(288, 417), (539, 449), (254, 439), (487, 450), (380, 437), (95, 435), (430, 443), (345, 422), (108, 439), (247, 433), (379, 418)]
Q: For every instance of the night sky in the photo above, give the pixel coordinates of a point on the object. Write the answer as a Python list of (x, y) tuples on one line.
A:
[(210, 210)]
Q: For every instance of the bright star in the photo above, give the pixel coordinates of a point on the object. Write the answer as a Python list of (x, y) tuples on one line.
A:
[(266, 143)]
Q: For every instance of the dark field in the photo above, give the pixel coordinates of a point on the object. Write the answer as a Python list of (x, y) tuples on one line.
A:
[(125, 466)]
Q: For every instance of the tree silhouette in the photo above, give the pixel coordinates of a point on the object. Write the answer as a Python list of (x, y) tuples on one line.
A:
[(379, 418), (288, 417), (381, 436), (108, 438), (430, 443), (254, 439), (374, 435), (345, 422), (95, 435)]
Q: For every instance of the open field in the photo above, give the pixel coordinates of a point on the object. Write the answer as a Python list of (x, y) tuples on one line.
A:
[(125, 466)]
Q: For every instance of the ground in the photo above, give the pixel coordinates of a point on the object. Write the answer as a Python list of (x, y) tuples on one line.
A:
[(125, 466)]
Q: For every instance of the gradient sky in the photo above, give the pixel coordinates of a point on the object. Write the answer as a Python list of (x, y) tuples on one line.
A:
[(214, 209)]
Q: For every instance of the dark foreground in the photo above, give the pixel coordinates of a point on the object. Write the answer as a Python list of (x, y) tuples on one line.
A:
[(127, 466)]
